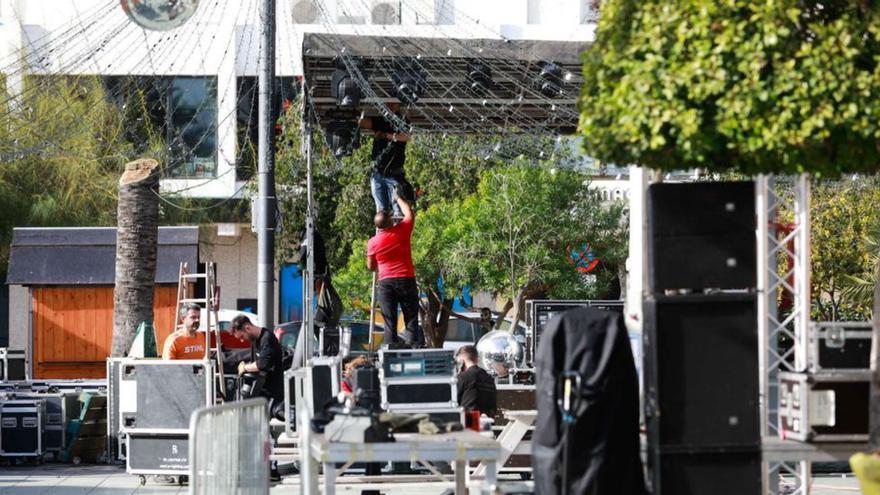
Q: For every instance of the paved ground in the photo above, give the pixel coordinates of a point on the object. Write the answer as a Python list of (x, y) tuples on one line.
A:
[(60, 479)]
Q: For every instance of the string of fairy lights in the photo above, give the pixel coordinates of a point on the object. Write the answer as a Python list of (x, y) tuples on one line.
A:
[(78, 50)]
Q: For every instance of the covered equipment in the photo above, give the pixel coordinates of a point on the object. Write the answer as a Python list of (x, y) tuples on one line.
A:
[(604, 425)]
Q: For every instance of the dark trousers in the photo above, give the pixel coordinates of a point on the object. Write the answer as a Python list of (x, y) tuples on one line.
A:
[(400, 291)]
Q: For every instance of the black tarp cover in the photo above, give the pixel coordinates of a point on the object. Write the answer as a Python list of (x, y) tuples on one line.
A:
[(605, 438)]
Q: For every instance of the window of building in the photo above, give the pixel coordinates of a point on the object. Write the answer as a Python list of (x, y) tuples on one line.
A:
[(175, 116), (191, 127)]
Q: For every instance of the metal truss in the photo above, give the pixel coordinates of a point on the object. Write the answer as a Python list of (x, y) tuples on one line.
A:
[(783, 216)]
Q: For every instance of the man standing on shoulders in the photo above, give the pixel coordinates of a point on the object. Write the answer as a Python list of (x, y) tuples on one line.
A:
[(186, 343), (390, 253), (476, 388), (265, 361)]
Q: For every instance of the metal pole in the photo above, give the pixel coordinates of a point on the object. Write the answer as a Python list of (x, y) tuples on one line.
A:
[(266, 170), (802, 273), (310, 239)]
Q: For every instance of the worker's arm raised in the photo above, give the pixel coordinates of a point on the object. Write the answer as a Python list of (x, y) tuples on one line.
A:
[(406, 208)]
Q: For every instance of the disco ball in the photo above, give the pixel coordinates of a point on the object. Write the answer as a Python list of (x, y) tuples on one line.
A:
[(499, 352), (159, 15)]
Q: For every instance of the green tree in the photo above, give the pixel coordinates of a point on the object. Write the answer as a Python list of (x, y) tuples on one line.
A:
[(843, 214), (515, 235), (63, 147), (762, 87)]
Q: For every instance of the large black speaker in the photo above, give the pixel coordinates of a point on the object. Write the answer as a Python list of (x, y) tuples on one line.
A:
[(701, 235), (701, 370), (701, 394), (701, 473)]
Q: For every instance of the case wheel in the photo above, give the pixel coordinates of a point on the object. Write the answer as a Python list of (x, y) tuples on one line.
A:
[(142, 479)]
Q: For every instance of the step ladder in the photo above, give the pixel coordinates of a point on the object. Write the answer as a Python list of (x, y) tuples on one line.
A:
[(186, 295)]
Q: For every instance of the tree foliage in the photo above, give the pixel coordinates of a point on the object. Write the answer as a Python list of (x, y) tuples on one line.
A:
[(63, 149), (781, 86), (844, 214), (515, 235)]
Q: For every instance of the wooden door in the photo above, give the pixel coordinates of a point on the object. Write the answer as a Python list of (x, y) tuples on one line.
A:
[(73, 327)]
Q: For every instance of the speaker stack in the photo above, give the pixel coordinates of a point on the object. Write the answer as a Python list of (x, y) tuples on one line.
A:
[(701, 340)]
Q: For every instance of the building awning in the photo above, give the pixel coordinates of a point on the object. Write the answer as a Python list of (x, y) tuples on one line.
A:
[(87, 255)]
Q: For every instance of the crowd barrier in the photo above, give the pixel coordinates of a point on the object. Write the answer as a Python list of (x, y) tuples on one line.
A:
[(229, 449)]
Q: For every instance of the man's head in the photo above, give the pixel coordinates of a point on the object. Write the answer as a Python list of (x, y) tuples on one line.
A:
[(382, 219), (467, 355), (191, 316), (244, 329)]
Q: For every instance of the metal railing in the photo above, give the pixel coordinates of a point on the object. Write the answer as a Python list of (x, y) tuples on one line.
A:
[(229, 449)]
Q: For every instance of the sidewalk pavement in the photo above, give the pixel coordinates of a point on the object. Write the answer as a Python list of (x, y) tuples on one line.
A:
[(65, 479)]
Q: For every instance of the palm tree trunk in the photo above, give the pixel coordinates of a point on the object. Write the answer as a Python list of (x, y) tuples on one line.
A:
[(137, 237)]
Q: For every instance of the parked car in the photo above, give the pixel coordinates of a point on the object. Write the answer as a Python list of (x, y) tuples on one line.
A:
[(224, 323), (288, 333)]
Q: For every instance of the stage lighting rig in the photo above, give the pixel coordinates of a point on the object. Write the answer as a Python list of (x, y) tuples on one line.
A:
[(479, 77), (343, 87), (409, 80), (550, 81), (343, 137)]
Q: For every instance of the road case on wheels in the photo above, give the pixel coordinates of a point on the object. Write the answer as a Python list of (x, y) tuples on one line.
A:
[(824, 406), (840, 345), (13, 365), (156, 400), (60, 408), (22, 422)]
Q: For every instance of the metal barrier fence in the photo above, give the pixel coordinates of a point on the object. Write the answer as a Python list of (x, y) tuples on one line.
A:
[(229, 449)]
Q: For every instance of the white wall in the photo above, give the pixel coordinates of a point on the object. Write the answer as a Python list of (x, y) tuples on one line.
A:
[(236, 260)]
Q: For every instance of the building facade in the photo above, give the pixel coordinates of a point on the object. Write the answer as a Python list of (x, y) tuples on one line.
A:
[(200, 80)]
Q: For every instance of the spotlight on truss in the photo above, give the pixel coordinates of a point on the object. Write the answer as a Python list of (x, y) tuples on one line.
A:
[(343, 87), (409, 80), (343, 137), (550, 81), (479, 77)]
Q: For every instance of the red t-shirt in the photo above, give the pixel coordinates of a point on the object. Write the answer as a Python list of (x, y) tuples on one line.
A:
[(392, 248)]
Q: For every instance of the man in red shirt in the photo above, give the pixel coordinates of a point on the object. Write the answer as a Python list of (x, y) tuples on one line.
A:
[(390, 253)]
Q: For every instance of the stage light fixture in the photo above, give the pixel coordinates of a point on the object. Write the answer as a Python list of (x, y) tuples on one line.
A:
[(550, 81), (343, 87), (409, 80), (343, 137), (479, 77)]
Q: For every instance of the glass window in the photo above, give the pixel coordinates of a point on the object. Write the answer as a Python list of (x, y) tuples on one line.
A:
[(175, 116), (192, 127)]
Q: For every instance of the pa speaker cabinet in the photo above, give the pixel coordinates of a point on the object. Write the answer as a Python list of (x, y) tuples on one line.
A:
[(701, 371), (701, 235), (701, 473)]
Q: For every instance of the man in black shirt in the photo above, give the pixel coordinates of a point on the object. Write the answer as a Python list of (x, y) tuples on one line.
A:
[(476, 388), (265, 360), (389, 156)]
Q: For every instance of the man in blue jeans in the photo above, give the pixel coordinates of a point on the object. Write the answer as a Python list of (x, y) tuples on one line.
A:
[(390, 253), (388, 156)]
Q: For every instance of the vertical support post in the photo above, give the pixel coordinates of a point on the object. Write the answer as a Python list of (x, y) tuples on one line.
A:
[(802, 271), (310, 240), (266, 200), (765, 212)]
